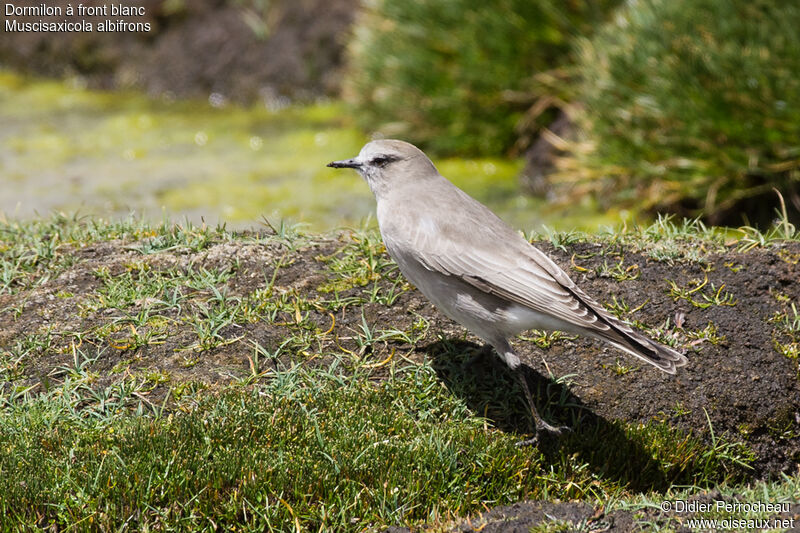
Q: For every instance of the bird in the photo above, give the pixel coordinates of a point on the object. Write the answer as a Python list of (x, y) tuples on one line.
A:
[(478, 270)]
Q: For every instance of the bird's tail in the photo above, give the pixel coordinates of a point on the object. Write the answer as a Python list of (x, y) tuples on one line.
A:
[(662, 357), (622, 336)]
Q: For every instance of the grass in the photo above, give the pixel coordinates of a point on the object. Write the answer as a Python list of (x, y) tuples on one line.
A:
[(698, 297), (264, 456), (313, 447), (325, 429), (786, 334), (785, 492)]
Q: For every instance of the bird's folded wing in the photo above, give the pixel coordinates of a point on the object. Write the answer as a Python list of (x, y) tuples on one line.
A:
[(525, 276), (496, 260)]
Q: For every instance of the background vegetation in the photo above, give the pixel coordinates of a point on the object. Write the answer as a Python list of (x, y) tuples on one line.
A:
[(684, 106), (443, 74), (681, 106), (692, 106)]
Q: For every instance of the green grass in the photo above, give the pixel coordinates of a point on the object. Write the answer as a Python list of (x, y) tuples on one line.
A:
[(683, 134), (786, 335), (256, 458), (317, 447), (35, 251), (786, 490), (360, 439)]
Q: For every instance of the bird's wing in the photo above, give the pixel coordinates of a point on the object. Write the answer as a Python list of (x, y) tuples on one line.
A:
[(524, 275)]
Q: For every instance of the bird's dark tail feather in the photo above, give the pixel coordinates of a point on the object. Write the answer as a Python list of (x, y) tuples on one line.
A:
[(662, 357), (624, 337)]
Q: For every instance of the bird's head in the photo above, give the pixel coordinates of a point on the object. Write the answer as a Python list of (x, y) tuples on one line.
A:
[(385, 162)]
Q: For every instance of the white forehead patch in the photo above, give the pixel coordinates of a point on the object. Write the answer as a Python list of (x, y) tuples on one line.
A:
[(371, 149)]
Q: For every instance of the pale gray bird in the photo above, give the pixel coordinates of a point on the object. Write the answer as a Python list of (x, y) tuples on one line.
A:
[(476, 269)]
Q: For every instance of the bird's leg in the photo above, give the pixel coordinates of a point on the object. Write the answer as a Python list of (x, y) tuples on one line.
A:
[(540, 424)]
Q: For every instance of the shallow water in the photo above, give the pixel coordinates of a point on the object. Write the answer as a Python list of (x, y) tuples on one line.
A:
[(109, 154)]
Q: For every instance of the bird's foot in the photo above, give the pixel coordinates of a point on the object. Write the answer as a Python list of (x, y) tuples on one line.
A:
[(556, 431), (543, 429), (527, 442)]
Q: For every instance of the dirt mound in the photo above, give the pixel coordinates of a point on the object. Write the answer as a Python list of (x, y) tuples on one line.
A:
[(732, 311)]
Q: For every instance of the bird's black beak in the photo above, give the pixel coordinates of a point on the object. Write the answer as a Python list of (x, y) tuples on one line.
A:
[(347, 163)]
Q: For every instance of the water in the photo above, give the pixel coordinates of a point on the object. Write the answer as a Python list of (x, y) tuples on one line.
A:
[(110, 154)]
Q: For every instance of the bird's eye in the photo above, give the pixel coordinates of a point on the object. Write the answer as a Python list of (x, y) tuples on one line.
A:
[(382, 160)]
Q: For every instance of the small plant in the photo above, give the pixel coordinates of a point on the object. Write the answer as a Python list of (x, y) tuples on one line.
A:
[(618, 272), (544, 339), (679, 410), (710, 334), (780, 230), (361, 260), (695, 295), (130, 337), (620, 308), (81, 362), (208, 322), (725, 453), (786, 332), (622, 369)]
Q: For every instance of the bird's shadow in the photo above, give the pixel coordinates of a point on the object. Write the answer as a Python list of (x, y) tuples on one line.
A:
[(491, 390)]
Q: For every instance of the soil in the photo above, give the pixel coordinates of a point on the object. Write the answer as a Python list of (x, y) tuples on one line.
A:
[(580, 516), (736, 382), (234, 50)]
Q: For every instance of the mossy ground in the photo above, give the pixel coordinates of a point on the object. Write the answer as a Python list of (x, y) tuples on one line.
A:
[(67, 148), (183, 377)]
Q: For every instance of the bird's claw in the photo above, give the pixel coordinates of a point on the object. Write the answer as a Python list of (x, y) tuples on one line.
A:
[(543, 428), (527, 442), (558, 430)]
